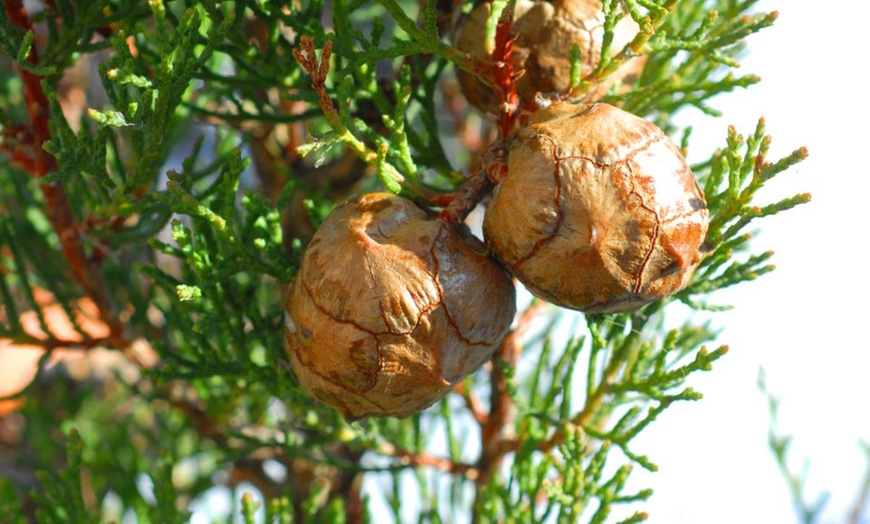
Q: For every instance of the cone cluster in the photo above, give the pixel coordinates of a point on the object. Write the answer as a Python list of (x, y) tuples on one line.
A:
[(598, 212)]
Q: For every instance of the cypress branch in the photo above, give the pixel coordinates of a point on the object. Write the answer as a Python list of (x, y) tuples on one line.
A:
[(179, 201)]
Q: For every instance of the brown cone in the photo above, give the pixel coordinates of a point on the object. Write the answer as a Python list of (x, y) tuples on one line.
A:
[(599, 211), (391, 308)]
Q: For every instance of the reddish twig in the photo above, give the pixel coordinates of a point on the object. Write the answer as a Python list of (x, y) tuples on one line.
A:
[(504, 75), (476, 186), (493, 165), (53, 343), (306, 55), (307, 58), (34, 97), (496, 439), (409, 458), (41, 163), (472, 402), (18, 144)]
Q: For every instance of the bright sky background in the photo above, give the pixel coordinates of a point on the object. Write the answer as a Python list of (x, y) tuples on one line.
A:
[(804, 323)]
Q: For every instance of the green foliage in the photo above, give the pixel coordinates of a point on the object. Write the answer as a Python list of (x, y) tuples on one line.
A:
[(692, 55), (186, 262), (62, 499), (731, 178)]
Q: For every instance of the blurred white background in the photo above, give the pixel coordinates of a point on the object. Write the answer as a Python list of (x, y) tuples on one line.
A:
[(803, 323)]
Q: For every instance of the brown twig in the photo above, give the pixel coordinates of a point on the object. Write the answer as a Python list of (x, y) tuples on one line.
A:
[(493, 163), (306, 55), (496, 440), (472, 402), (446, 10), (410, 458), (504, 75), (53, 343), (57, 203), (476, 186)]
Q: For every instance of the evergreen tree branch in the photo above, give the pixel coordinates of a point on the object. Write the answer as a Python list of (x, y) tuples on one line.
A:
[(200, 265), (649, 22), (425, 39), (57, 202), (319, 71)]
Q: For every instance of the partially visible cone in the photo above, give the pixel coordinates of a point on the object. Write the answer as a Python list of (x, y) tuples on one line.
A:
[(545, 33)]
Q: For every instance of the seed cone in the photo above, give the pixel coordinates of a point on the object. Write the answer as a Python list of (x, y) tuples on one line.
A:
[(391, 308), (599, 211), (545, 32)]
